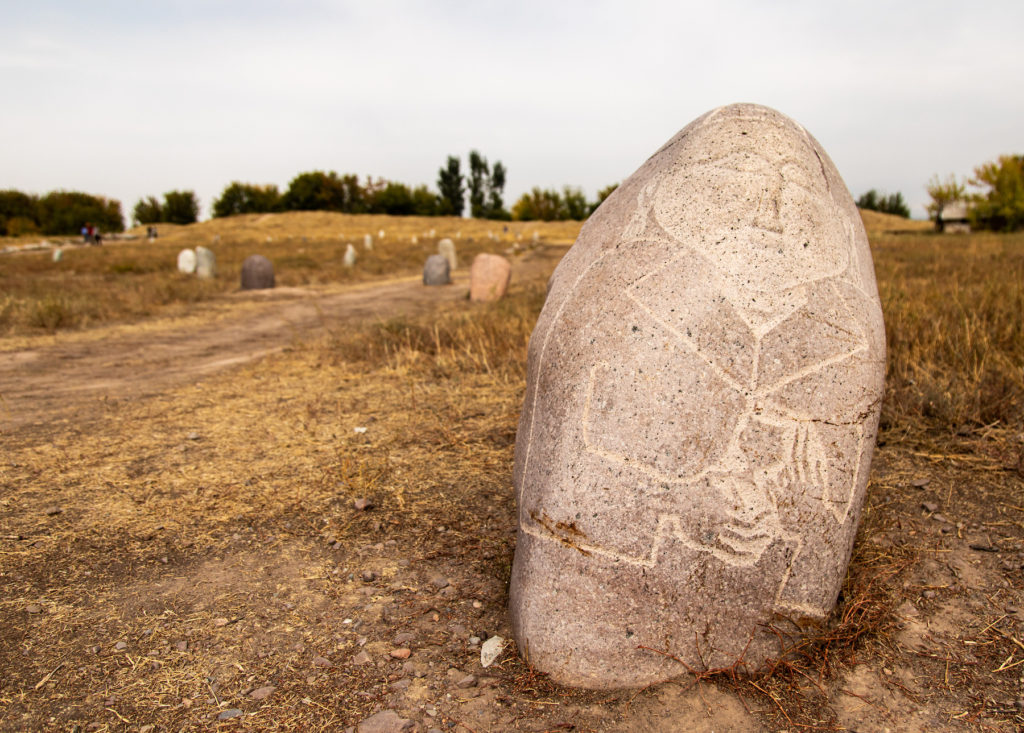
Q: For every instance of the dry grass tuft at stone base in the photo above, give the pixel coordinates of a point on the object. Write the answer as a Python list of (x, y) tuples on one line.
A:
[(289, 524)]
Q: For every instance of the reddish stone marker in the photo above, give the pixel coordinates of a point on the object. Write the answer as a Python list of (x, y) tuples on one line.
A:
[(703, 393), (489, 276)]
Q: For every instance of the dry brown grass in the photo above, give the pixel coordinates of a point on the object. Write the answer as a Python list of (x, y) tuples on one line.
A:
[(221, 515), (127, 280)]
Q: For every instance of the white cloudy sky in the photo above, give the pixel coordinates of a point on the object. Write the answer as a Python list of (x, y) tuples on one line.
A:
[(127, 99)]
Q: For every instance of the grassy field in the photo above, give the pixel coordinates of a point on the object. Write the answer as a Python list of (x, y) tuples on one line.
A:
[(165, 558), (126, 280)]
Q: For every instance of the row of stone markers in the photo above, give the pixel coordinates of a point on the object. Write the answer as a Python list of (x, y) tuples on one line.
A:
[(489, 275)]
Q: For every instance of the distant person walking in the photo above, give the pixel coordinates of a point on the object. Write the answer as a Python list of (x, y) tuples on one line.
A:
[(85, 233)]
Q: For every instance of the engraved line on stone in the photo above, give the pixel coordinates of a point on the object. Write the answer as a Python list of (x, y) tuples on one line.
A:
[(618, 457), (669, 527), (543, 353)]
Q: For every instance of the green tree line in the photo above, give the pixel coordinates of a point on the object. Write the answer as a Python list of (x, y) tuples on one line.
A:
[(57, 212)]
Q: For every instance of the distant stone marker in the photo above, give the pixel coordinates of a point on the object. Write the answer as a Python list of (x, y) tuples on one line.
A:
[(414, 239), (58, 254), (368, 242), (703, 391), (350, 255), (206, 263), (380, 234), (436, 271), (489, 277), (187, 261), (257, 273), (446, 248)]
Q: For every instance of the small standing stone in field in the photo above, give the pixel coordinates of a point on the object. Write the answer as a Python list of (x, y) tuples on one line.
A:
[(187, 261), (386, 721), (703, 394), (446, 248), (368, 242), (257, 273), (53, 511), (436, 271), (414, 239), (362, 504), (380, 235), (206, 263), (350, 255), (58, 254), (262, 693), (433, 233), (489, 277), (536, 237)]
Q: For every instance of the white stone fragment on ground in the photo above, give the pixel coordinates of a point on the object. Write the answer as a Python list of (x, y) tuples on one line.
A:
[(350, 255), (490, 650)]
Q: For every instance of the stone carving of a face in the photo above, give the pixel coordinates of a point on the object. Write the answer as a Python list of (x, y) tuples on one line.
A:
[(759, 237)]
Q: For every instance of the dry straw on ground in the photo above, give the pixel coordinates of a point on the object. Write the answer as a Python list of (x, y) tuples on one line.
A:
[(164, 558)]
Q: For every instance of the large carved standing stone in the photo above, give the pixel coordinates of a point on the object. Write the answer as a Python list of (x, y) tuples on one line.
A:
[(702, 399), (257, 273)]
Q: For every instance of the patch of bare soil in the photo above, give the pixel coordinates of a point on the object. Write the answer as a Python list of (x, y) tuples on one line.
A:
[(234, 526)]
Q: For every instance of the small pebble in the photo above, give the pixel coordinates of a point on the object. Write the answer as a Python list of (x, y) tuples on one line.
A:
[(920, 483), (228, 714), (368, 576), (121, 645), (439, 581), (193, 436), (181, 646), (361, 658), (402, 653), (362, 504), (53, 511), (929, 506), (321, 662), (34, 608), (221, 621), (262, 693)]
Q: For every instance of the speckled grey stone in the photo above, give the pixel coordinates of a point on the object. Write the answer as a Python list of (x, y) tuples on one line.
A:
[(257, 273), (435, 271), (703, 392)]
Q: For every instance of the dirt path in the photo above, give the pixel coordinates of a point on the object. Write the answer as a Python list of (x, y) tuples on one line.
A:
[(65, 379)]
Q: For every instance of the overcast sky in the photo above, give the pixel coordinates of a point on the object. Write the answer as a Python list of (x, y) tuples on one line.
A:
[(127, 99)]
